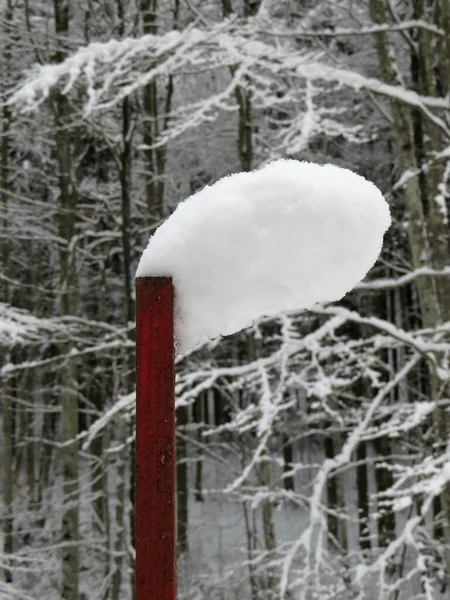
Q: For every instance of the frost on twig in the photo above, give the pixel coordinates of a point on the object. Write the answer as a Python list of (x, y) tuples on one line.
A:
[(107, 72)]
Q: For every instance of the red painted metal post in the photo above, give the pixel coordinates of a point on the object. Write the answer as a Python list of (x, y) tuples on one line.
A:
[(155, 440)]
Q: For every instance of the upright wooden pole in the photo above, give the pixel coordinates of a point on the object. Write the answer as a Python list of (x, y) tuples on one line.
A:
[(155, 440)]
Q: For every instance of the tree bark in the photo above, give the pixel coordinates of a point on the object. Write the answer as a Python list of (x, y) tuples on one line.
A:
[(119, 544), (182, 483), (417, 226), (265, 479), (199, 420), (7, 462), (288, 480), (244, 102), (69, 393), (428, 230), (154, 122), (70, 534), (5, 148)]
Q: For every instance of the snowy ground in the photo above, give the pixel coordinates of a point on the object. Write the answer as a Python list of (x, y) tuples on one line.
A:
[(215, 568), (218, 541)]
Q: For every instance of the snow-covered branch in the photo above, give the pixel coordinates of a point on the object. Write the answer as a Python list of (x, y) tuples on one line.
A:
[(108, 72)]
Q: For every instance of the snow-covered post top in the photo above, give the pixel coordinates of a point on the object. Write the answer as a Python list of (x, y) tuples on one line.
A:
[(283, 237)]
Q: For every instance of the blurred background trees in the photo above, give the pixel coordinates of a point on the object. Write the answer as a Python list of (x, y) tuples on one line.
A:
[(312, 448)]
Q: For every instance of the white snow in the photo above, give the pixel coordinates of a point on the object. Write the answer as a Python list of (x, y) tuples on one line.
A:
[(284, 237)]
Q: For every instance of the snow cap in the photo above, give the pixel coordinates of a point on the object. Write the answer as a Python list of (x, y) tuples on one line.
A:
[(286, 236)]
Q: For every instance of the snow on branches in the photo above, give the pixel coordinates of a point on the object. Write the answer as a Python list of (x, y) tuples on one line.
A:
[(308, 366), (19, 328), (107, 72)]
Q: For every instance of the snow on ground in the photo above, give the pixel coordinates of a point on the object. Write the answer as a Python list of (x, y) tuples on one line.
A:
[(284, 237), (219, 534), (215, 568)]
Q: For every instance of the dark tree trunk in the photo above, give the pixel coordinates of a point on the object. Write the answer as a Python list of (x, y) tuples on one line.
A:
[(182, 482)]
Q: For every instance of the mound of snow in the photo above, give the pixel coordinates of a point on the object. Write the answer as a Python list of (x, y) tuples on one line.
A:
[(284, 237)]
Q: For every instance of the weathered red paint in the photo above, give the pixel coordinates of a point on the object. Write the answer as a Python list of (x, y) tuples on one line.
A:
[(155, 440)]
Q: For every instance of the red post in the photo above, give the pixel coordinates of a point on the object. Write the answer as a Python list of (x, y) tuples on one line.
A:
[(155, 440)]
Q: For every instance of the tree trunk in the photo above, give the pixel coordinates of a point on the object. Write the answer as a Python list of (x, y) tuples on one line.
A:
[(155, 123), (100, 466), (132, 517), (384, 481), (340, 497), (443, 45), (288, 480), (265, 479), (70, 535), (119, 544), (48, 433), (250, 539), (182, 483), (402, 123), (7, 463), (429, 238), (244, 101), (199, 420), (69, 393), (125, 182), (363, 498), (125, 176), (5, 148), (332, 521)]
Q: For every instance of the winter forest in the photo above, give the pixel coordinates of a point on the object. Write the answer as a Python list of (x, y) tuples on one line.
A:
[(313, 457)]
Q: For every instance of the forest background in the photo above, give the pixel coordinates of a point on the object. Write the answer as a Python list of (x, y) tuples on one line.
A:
[(312, 449)]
